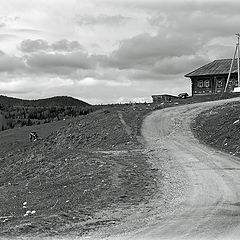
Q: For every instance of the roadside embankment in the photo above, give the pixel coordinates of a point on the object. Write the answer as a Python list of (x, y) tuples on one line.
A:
[(219, 127)]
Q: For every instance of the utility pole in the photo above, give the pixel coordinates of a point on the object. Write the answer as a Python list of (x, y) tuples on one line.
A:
[(238, 64), (238, 36)]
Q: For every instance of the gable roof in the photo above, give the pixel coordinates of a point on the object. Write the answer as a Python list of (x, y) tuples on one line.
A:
[(221, 66)]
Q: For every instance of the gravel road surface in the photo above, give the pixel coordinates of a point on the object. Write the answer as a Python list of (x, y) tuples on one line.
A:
[(210, 205)]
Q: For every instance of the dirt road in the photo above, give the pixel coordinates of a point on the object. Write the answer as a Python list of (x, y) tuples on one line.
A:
[(210, 205)]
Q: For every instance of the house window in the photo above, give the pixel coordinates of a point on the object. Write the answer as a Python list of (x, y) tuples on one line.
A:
[(206, 83), (235, 82), (219, 83), (200, 83)]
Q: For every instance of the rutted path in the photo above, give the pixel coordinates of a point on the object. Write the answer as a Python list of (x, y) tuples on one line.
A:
[(126, 127)]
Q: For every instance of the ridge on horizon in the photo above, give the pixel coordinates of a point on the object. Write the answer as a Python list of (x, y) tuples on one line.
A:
[(44, 102)]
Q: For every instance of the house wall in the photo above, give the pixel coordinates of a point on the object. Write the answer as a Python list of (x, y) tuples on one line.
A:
[(212, 84), (202, 85)]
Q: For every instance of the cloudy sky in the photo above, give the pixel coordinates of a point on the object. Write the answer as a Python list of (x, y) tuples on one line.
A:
[(107, 51)]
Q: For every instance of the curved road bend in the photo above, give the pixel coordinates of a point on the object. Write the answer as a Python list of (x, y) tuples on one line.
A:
[(211, 209)]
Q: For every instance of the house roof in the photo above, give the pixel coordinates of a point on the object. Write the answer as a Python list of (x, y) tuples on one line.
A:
[(221, 66), (163, 95)]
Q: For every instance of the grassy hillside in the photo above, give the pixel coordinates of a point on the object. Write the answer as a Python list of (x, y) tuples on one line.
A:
[(89, 164), (220, 127)]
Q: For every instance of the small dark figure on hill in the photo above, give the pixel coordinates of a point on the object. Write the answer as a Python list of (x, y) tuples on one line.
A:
[(33, 136)]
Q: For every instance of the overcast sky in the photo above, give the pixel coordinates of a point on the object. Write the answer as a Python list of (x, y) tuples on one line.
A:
[(107, 51)]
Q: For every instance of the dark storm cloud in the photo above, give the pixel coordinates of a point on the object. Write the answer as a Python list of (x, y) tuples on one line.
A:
[(30, 46), (100, 19)]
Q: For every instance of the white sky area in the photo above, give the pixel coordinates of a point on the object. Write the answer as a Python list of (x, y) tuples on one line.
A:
[(106, 51)]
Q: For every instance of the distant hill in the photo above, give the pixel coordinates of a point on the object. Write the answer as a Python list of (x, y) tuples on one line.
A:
[(18, 112), (59, 101)]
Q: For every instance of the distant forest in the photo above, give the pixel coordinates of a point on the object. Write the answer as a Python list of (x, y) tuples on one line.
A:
[(16, 116), (18, 113)]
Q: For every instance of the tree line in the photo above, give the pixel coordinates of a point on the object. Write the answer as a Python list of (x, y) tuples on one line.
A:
[(19, 116)]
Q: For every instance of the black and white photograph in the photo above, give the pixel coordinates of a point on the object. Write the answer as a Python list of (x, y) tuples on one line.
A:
[(119, 120)]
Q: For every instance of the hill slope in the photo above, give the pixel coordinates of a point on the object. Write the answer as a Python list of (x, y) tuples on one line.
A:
[(220, 127), (58, 101), (64, 180)]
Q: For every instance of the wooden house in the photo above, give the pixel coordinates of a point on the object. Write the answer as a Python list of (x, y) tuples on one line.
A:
[(212, 77)]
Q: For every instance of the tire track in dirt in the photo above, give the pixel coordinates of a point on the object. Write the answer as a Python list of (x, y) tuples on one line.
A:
[(126, 127)]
